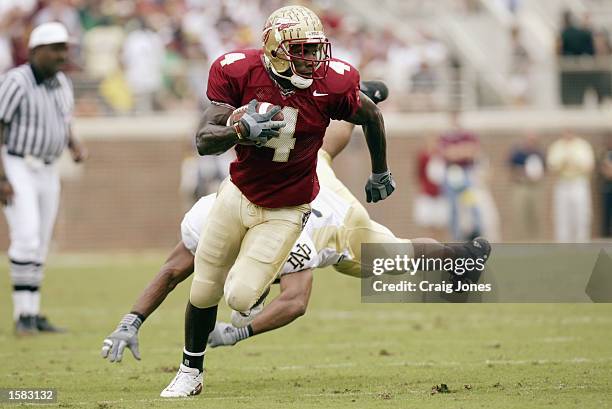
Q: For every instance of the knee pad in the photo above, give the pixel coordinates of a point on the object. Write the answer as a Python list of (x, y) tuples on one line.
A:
[(205, 293), (240, 296)]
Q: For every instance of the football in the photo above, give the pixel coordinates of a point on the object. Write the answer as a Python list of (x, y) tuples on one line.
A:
[(262, 108)]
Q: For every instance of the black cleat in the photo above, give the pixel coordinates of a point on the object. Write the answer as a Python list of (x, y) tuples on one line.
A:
[(479, 248), (26, 325), (377, 91), (43, 325)]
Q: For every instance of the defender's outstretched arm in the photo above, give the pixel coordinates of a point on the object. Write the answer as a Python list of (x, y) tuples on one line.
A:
[(178, 266), (289, 305)]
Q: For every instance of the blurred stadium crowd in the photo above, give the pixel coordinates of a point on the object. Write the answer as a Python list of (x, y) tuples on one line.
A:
[(136, 56), (133, 56)]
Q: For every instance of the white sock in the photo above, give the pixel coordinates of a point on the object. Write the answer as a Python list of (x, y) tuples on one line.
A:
[(34, 302), (21, 303)]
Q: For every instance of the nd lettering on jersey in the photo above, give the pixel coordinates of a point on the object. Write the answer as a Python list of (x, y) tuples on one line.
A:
[(301, 252)]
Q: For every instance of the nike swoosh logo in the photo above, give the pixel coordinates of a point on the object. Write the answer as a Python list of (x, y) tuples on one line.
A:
[(316, 94)]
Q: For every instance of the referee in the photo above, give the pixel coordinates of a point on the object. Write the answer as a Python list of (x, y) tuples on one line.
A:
[(36, 103)]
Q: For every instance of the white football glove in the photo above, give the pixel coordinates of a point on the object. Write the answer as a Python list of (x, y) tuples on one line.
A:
[(226, 335), (126, 335)]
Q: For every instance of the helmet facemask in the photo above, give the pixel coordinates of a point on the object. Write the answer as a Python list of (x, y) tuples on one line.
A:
[(311, 55)]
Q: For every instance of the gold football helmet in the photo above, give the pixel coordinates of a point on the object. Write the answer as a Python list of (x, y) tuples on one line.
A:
[(294, 34)]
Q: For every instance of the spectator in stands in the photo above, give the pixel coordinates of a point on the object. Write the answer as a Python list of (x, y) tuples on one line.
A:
[(460, 149), (430, 205), (13, 17), (606, 173), (7, 16), (143, 57), (574, 41), (63, 12), (571, 160), (91, 15), (102, 48), (527, 172)]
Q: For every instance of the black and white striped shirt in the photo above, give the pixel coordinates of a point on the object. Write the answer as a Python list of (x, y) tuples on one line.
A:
[(36, 115)]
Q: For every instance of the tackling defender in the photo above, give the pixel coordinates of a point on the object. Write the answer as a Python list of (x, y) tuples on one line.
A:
[(261, 209)]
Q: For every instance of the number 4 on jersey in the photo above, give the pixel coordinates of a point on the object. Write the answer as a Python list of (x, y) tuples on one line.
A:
[(232, 58), (283, 144)]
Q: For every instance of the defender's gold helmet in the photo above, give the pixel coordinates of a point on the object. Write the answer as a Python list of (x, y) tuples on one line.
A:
[(286, 33)]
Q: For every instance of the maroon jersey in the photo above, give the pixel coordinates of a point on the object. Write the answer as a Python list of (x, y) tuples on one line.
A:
[(283, 172)]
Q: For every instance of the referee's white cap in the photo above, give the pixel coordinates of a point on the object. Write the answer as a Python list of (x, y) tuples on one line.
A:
[(48, 33)]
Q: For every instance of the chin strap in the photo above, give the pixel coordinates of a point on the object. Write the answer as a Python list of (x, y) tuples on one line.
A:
[(299, 82), (296, 80)]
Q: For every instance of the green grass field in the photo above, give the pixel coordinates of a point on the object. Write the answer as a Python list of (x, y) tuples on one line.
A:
[(342, 354)]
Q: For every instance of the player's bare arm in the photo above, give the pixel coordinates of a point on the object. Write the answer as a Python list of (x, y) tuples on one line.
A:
[(253, 128), (176, 269), (371, 119), (380, 184), (290, 304), (213, 136), (6, 190), (337, 136), (338, 133)]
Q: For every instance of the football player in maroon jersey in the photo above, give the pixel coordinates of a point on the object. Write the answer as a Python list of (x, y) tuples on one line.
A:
[(261, 209), (296, 278)]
